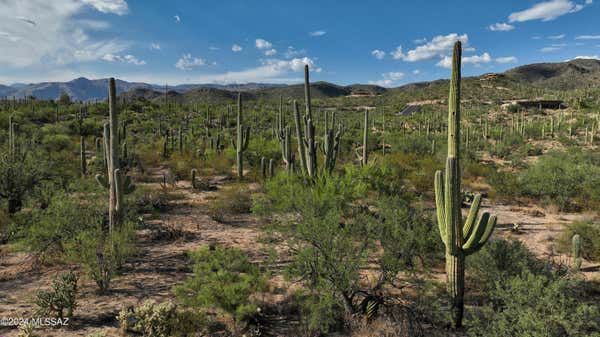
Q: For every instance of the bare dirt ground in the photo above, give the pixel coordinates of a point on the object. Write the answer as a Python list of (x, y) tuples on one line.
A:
[(162, 262)]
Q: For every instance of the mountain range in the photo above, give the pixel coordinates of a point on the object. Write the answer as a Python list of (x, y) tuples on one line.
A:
[(574, 74)]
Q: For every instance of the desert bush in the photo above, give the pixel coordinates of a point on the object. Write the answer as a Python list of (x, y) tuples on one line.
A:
[(536, 306), (590, 239), (231, 200), (502, 259), (101, 254), (164, 319), (18, 176), (63, 296), (224, 279)]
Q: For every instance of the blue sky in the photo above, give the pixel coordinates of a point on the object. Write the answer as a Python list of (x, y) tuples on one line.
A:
[(237, 41)]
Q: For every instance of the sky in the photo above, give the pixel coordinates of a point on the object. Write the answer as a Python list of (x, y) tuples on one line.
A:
[(388, 43)]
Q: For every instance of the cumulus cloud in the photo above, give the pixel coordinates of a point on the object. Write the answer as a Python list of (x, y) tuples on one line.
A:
[(446, 62), (263, 44), (416, 72), (587, 37), (236, 48), (589, 57), (506, 59), (270, 52), (155, 46), (118, 7), (270, 70), (501, 27), (177, 18), (292, 52), (378, 54), (547, 11), (187, 62), (124, 59), (58, 37), (317, 33), (388, 79), (439, 46)]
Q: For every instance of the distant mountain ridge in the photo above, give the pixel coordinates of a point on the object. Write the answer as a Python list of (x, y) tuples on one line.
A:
[(573, 74)]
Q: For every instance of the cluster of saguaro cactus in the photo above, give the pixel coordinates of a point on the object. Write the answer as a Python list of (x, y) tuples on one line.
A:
[(115, 180), (284, 135), (460, 240), (243, 137), (576, 252)]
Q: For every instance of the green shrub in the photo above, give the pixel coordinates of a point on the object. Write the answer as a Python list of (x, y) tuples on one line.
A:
[(164, 319), (231, 200), (224, 279), (103, 255), (536, 306), (502, 259), (590, 239), (63, 296)]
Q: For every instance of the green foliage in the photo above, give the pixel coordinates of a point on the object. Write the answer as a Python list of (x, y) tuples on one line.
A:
[(102, 255), (500, 260), (164, 319), (18, 176), (224, 279), (536, 306), (590, 239), (63, 296), (232, 200)]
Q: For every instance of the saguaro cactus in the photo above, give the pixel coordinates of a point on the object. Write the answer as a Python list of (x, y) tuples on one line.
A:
[(576, 252), (331, 143), (460, 240), (115, 181), (364, 158), (243, 136)]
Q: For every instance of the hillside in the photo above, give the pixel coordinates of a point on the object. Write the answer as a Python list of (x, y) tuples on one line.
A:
[(574, 74)]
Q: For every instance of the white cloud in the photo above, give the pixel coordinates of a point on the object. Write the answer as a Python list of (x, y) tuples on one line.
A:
[(270, 52), (550, 49), (118, 7), (388, 79), (556, 37), (236, 48), (378, 54), (292, 52), (187, 62), (270, 70), (547, 11), (501, 27), (58, 37), (93, 24), (506, 59), (416, 72), (124, 59), (213, 48), (155, 46), (446, 62), (592, 57), (587, 37), (439, 46), (263, 44), (318, 33), (177, 18), (420, 41)]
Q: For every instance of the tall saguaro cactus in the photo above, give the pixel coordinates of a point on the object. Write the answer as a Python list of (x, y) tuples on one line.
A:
[(307, 145), (115, 181), (331, 143), (460, 240), (243, 136)]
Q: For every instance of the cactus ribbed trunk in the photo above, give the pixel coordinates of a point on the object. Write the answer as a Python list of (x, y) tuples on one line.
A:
[(300, 136), (239, 151), (460, 240), (113, 154), (82, 160), (365, 158)]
